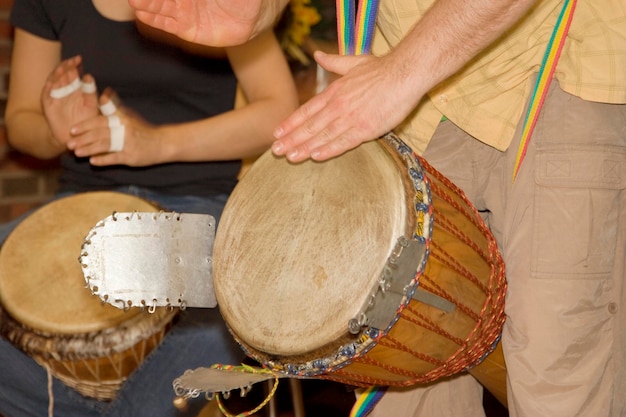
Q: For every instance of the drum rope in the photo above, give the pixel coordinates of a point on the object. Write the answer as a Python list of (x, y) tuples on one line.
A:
[(422, 321), (50, 393), (448, 226), (396, 344), (474, 316), (245, 368)]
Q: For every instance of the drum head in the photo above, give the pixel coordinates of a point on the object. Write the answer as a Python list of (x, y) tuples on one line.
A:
[(41, 281), (300, 246)]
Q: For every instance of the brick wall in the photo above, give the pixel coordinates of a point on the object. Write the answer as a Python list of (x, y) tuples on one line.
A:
[(25, 182)]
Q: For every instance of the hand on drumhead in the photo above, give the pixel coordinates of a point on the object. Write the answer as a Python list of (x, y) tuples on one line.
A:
[(116, 137), (364, 104), (67, 98), (210, 22)]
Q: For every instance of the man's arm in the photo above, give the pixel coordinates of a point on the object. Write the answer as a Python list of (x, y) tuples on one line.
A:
[(375, 94), (210, 22)]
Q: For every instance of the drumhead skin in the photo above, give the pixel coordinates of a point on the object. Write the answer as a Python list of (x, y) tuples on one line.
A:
[(295, 236), (41, 280)]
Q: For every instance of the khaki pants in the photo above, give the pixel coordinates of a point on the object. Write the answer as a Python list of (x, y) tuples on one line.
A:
[(561, 228)]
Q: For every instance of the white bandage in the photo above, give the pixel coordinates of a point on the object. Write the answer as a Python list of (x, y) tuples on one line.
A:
[(88, 88), (117, 138), (114, 121), (108, 108), (66, 90)]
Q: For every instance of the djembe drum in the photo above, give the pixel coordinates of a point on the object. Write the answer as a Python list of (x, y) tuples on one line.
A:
[(51, 315), (368, 269)]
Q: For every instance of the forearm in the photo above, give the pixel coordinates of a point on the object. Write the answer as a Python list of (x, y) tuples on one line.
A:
[(29, 132), (240, 133), (449, 35)]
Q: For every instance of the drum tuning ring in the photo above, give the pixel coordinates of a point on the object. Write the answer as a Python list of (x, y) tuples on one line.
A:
[(385, 278), (355, 324), (371, 301), (245, 390), (122, 303)]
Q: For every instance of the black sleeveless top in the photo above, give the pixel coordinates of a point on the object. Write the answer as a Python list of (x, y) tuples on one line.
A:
[(161, 83)]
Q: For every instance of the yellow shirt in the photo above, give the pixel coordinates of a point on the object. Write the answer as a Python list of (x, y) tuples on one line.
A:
[(486, 98)]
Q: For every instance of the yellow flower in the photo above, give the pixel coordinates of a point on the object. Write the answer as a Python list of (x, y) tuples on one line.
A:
[(303, 17)]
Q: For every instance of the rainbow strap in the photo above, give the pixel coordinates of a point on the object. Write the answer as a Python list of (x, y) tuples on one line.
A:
[(354, 35), (544, 78), (367, 401), (358, 41)]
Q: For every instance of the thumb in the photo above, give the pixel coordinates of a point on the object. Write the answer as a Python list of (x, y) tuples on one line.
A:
[(338, 64)]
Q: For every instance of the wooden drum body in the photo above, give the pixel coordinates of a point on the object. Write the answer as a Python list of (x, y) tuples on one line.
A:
[(369, 269), (49, 313)]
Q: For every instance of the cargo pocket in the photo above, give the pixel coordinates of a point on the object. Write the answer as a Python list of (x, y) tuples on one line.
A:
[(576, 206)]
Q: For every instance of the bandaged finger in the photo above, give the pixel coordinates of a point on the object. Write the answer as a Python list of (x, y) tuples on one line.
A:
[(108, 108), (114, 121), (88, 88), (117, 138), (66, 90)]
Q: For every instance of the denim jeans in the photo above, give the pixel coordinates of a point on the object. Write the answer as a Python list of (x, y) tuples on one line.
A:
[(198, 338)]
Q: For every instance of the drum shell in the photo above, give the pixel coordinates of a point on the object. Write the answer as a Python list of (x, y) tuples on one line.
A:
[(424, 343)]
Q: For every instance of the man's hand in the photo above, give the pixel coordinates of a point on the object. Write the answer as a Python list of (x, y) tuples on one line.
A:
[(210, 22), (369, 100)]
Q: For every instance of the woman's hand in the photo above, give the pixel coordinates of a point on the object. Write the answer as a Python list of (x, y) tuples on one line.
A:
[(117, 137), (67, 99)]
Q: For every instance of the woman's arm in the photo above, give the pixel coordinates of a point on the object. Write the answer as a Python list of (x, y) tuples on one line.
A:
[(38, 123), (33, 59), (265, 78)]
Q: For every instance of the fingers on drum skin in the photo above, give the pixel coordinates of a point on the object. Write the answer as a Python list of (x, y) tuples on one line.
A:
[(319, 143), (341, 144)]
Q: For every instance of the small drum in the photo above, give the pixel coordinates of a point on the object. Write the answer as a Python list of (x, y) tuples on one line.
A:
[(51, 315), (368, 269)]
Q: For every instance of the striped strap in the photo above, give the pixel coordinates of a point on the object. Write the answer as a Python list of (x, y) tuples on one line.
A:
[(544, 78), (367, 401), (354, 34)]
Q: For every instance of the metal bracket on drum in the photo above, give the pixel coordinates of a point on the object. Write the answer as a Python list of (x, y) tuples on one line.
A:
[(151, 260), (394, 285)]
